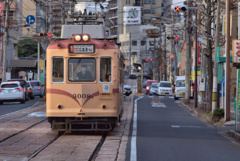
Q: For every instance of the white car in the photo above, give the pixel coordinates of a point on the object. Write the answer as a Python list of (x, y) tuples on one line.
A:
[(11, 92), (179, 89), (165, 88)]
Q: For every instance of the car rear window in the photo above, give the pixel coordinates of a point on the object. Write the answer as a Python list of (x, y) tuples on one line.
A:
[(22, 82), (165, 84), (35, 83), (154, 85), (9, 85)]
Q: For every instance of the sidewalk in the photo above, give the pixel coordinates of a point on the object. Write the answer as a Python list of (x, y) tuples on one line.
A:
[(208, 118)]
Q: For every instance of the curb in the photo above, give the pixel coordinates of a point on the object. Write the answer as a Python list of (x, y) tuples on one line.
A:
[(234, 134)]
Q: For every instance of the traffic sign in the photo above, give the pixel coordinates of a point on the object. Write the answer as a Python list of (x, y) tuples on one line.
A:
[(30, 19)]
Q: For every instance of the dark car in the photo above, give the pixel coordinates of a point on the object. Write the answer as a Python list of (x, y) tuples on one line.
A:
[(132, 76), (23, 84), (38, 88), (30, 90), (146, 76), (127, 90)]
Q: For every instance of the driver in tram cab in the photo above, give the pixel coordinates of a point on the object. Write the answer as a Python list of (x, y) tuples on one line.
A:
[(84, 74)]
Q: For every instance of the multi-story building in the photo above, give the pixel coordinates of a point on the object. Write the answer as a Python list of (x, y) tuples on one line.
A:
[(59, 10)]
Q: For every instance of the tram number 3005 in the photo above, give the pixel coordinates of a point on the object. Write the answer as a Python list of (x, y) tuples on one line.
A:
[(82, 96)]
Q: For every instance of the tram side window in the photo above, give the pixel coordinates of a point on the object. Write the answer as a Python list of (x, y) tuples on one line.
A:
[(57, 70), (81, 69), (105, 70)]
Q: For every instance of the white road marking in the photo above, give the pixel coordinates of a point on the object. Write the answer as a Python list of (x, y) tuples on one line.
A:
[(133, 152), (177, 101), (161, 105), (170, 97), (178, 126), (37, 114)]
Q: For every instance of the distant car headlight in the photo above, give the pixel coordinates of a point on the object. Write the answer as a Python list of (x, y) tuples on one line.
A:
[(191, 89), (147, 88), (175, 90)]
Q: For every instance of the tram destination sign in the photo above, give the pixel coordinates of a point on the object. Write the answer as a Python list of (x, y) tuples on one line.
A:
[(81, 48)]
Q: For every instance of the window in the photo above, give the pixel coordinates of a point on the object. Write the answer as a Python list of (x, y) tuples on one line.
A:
[(153, 1), (146, 11), (147, 2), (105, 70), (134, 43), (81, 69), (143, 43), (57, 70), (153, 11), (151, 43), (165, 84), (12, 85)]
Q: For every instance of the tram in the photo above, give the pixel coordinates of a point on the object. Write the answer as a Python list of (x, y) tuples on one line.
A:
[(84, 81)]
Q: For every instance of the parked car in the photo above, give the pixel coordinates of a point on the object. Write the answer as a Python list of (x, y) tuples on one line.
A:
[(11, 92), (38, 88), (165, 88), (23, 84), (127, 90), (133, 76), (30, 90), (148, 85), (154, 89)]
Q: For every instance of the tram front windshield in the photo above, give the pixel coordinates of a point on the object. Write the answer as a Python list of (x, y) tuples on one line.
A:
[(81, 69)]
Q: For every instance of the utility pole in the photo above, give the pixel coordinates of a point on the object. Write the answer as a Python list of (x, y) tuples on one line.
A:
[(6, 41), (215, 69), (165, 53), (187, 73), (227, 109), (196, 65)]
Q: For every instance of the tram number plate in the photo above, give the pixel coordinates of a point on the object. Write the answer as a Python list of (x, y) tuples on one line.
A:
[(81, 49)]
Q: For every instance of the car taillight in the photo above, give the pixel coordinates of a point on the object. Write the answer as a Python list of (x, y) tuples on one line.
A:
[(24, 90), (39, 88), (19, 88), (30, 90), (1, 89)]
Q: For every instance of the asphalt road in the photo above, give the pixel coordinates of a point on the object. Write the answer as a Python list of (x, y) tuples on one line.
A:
[(9, 107), (164, 130)]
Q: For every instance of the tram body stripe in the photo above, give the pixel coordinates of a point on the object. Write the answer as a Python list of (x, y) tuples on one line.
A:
[(62, 92)]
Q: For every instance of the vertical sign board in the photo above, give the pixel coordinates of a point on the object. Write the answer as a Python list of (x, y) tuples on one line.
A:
[(236, 59), (1, 37), (236, 51)]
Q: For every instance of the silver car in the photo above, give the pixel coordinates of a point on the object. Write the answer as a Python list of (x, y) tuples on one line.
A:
[(154, 89), (11, 92)]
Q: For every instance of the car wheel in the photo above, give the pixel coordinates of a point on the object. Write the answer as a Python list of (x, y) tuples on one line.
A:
[(41, 96), (23, 101), (1, 103), (175, 98)]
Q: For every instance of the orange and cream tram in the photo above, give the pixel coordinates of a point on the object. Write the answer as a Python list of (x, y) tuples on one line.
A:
[(84, 84)]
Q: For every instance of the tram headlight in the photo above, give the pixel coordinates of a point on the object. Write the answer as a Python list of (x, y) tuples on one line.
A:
[(85, 37), (77, 37)]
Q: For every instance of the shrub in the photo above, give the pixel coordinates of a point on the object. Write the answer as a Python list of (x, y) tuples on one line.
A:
[(218, 114)]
